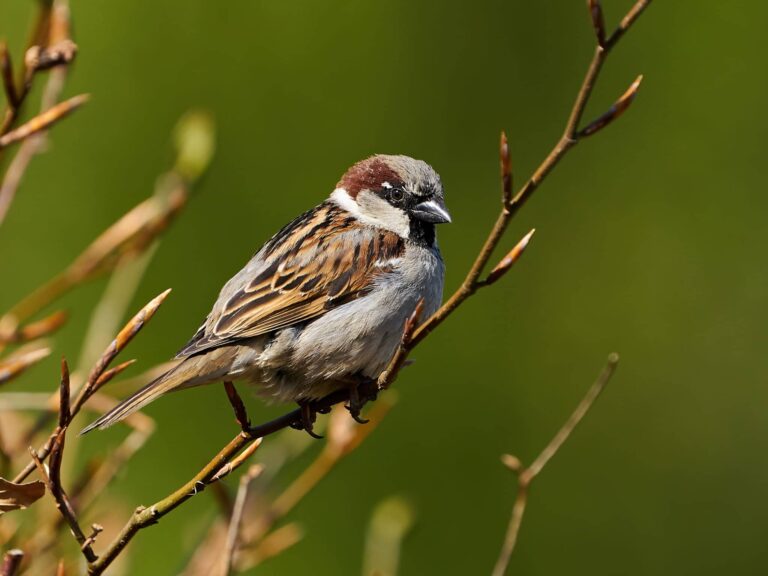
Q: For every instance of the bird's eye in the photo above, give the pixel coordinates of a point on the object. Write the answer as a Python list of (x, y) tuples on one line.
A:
[(396, 195)]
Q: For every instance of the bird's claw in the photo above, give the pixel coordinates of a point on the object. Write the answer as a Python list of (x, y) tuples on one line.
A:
[(307, 419), (355, 405)]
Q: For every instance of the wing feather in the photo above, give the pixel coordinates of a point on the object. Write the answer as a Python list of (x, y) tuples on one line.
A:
[(323, 259)]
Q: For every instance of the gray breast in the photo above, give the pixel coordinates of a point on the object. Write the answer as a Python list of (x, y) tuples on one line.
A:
[(359, 337)]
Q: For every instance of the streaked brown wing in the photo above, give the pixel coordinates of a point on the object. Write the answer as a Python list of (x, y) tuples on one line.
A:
[(321, 260)]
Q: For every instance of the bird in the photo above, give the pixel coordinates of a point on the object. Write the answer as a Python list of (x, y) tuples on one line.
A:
[(323, 304)]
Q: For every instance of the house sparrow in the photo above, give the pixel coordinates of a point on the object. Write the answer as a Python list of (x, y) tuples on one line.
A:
[(325, 300)]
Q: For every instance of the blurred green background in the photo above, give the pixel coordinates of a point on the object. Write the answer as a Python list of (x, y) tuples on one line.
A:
[(649, 243)]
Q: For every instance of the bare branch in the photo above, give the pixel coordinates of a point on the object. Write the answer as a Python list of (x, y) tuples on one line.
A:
[(95, 379), (44, 120), (626, 22), (618, 108), (143, 516), (11, 562), (6, 68), (233, 533), (35, 330), (526, 475), (506, 170), (43, 58), (64, 411), (62, 500), (598, 21), (15, 365), (237, 461), (509, 260)]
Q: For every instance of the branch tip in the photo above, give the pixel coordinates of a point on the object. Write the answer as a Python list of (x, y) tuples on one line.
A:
[(44, 120), (618, 108), (598, 21), (413, 322), (64, 411), (506, 170), (512, 462), (11, 562), (7, 71), (509, 260)]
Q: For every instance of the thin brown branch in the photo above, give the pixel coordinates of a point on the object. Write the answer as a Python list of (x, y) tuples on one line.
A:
[(526, 475), (52, 477), (65, 415), (39, 58), (505, 163), (6, 68), (618, 108), (598, 21), (117, 345), (506, 263), (569, 139), (63, 503), (15, 365), (35, 330), (52, 28), (11, 562), (344, 436), (44, 120), (627, 22), (144, 516), (233, 532), (49, 46), (237, 461), (92, 384)]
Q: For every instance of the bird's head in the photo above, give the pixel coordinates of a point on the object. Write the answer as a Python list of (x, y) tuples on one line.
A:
[(396, 193)]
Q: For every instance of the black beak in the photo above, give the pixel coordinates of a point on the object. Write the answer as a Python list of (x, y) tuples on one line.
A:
[(432, 211)]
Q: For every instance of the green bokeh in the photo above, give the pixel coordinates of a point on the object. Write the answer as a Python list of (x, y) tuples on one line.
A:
[(649, 243)]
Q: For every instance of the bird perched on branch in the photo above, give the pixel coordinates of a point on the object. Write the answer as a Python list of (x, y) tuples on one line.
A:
[(323, 303)]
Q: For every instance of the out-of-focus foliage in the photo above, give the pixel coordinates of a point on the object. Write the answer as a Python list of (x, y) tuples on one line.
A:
[(651, 241)]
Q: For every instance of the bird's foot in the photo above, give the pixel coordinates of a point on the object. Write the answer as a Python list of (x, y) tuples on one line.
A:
[(307, 420), (358, 398)]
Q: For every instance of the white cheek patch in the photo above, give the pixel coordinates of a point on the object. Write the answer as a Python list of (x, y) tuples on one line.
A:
[(372, 210)]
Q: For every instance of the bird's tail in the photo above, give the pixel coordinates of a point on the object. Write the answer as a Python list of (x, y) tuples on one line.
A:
[(192, 371)]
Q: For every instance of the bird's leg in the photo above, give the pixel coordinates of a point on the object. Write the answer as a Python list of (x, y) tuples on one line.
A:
[(307, 421), (237, 405)]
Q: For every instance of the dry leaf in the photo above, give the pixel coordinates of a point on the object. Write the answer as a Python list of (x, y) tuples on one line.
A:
[(15, 496)]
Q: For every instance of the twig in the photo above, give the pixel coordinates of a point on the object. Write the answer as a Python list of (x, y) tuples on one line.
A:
[(237, 461), (50, 45), (344, 436), (92, 384), (35, 330), (64, 506), (52, 477), (526, 475), (44, 120), (143, 517), (15, 365), (233, 533), (11, 562), (6, 67)]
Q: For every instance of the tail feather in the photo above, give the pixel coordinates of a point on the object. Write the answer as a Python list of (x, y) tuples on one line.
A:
[(192, 371), (135, 402)]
